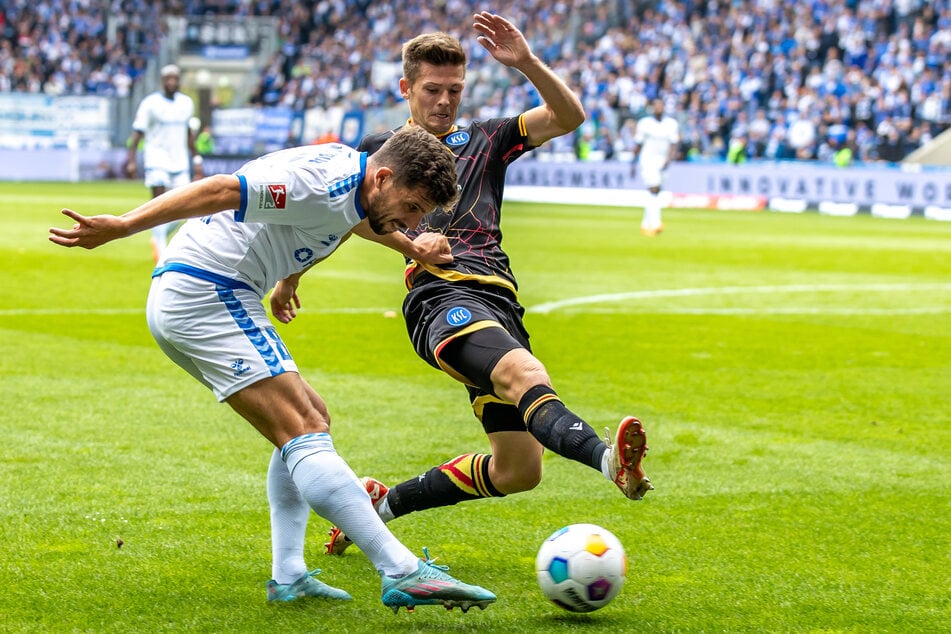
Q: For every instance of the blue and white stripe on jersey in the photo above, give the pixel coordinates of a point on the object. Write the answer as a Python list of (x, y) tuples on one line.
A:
[(345, 186)]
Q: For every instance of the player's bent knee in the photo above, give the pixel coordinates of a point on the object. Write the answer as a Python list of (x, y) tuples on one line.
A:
[(510, 481), (516, 373)]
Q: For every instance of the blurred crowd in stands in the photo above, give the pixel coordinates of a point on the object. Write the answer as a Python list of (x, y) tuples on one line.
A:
[(828, 80), (76, 47)]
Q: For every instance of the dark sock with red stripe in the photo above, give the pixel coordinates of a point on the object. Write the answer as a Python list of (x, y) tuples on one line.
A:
[(558, 429), (465, 477)]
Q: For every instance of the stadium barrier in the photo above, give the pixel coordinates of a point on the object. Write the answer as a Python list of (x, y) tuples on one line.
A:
[(884, 191)]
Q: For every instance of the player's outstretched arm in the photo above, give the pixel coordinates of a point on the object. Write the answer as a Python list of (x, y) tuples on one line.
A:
[(88, 232), (201, 198), (562, 111), (428, 247)]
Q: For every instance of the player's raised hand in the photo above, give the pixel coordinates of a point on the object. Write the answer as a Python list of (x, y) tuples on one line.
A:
[(500, 37), (88, 232)]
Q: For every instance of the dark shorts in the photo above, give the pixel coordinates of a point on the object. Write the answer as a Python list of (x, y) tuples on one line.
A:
[(463, 329)]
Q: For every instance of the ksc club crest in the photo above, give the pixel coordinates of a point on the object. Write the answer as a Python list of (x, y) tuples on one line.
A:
[(458, 316), (457, 138)]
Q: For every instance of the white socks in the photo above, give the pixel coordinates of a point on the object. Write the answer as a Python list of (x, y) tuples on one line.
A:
[(331, 488), (606, 463), (383, 510), (651, 219)]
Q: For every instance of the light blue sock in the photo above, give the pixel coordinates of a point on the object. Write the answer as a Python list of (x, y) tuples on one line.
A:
[(289, 514), (336, 494)]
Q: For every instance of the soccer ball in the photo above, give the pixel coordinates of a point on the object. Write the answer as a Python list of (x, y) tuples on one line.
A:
[(581, 567)]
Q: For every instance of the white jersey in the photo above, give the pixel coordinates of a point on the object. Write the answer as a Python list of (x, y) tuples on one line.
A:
[(297, 205), (656, 138), (164, 122)]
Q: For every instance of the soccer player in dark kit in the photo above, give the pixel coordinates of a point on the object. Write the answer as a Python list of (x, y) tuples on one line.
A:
[(464, 317)]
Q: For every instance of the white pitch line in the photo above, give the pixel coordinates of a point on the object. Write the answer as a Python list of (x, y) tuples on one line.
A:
[(18, 312), (732, 290), (930, 310)]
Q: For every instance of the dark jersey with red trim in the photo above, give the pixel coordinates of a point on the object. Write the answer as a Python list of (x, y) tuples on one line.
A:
[(484, 150)]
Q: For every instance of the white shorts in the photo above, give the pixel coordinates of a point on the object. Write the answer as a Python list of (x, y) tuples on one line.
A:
[(168, 180), (219, 335), (652, 171)]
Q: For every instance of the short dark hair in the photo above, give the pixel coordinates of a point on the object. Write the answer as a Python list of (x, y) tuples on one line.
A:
[(438, 49), (420, 160)]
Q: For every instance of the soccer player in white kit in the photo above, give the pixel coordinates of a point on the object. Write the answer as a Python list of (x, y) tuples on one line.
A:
[(655, 144), (262, 228), (170, 157)]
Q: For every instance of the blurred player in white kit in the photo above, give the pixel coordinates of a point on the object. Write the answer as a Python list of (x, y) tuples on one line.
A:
[(655, 143)]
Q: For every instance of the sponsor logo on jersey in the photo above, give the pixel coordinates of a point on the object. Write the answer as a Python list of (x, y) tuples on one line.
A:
[(303, 255), (457, 138), (458, 316), (274, 197)]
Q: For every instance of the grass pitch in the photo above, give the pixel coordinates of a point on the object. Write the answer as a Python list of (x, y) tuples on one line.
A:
[(792, 371)]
